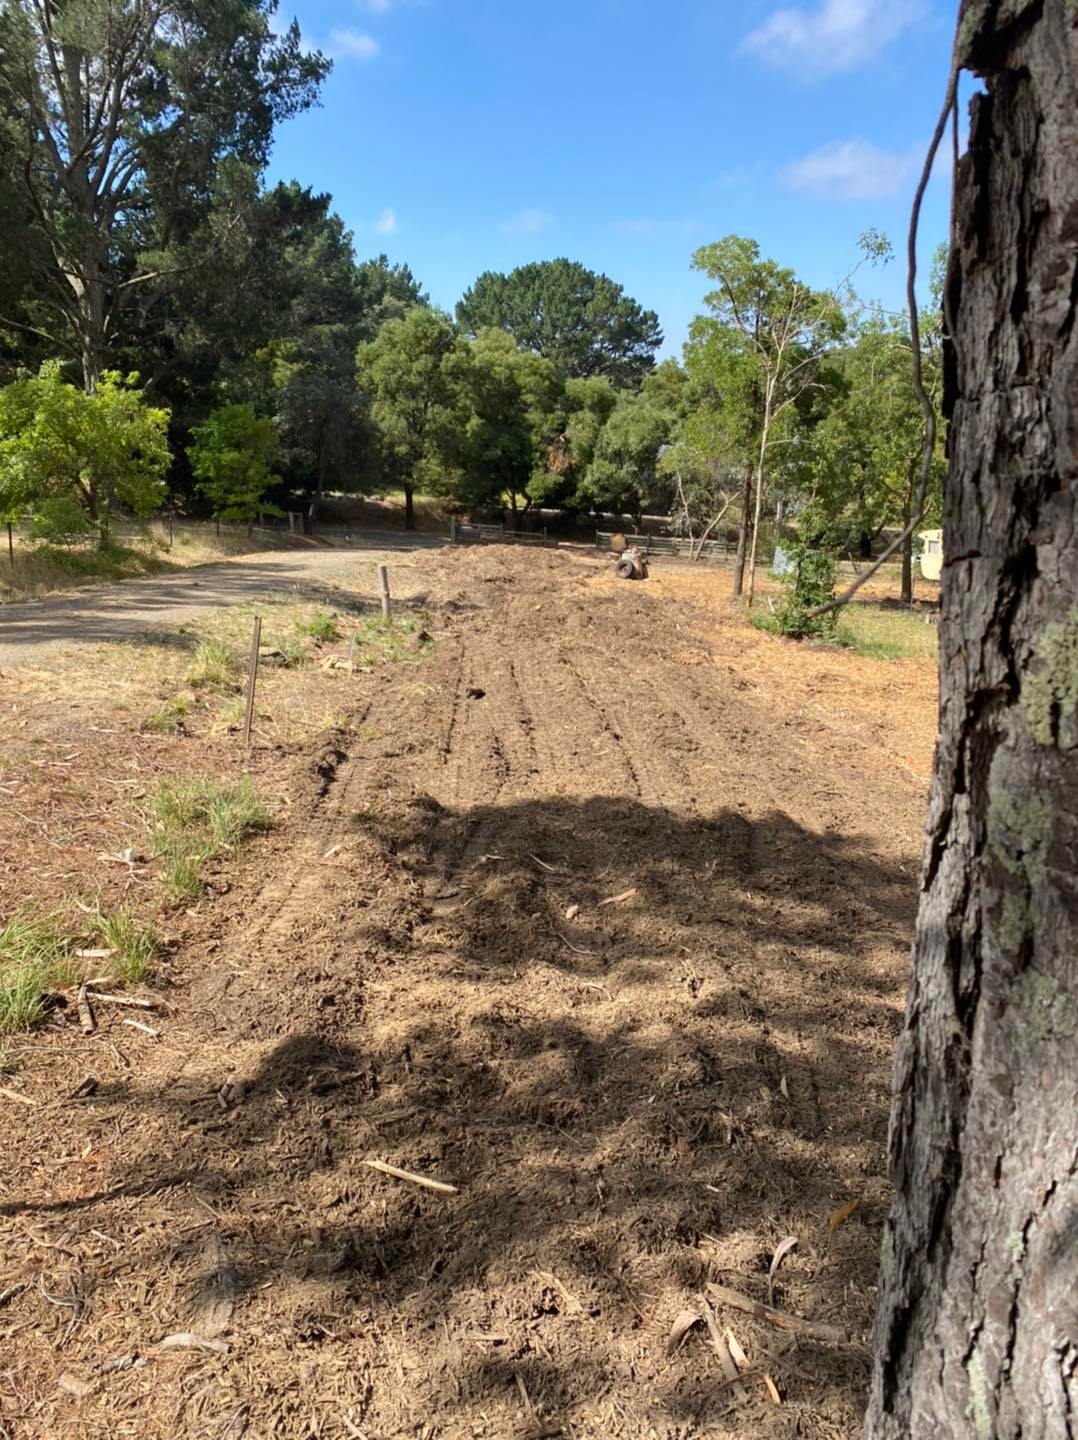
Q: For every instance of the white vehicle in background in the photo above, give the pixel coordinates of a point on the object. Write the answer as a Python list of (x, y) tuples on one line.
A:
[(931, 554)]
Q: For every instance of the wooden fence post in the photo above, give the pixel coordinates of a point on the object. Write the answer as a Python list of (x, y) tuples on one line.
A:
[(452, 529), (383, 587), (252, 676), (10, 544)]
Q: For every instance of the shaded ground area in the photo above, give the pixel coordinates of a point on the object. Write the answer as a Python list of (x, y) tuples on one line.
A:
[(632, 1098)]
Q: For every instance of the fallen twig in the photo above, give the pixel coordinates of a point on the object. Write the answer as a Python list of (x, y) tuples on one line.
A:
[(86, 1012), (11, 1292), (576, 949), (14, 1095), (617, 899), (103, 999), (411, 1176), (552, 868), (812, 1329), (146, 1029)]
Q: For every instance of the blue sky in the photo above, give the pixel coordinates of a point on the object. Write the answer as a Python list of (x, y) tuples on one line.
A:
[(468, 135)]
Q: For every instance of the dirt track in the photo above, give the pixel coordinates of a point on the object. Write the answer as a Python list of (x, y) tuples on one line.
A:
[(103, 613), (632, 1101)]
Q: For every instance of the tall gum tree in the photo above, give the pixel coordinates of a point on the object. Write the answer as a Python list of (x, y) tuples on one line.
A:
[(977, 1322)]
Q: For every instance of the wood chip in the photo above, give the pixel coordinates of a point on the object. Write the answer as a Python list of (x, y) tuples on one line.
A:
[(412, 1177), (572, 912), (215, 1305), (617, 899), (86, 1012), (842, 1214), (683, 1323), (782, 1249), (772, 1389), (185, 1340), (94, 954), (741, 1360), (14, 1095), (74, 1386), (810, 1328)]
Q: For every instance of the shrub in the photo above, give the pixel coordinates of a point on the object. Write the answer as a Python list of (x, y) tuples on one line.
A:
[(809, 584)]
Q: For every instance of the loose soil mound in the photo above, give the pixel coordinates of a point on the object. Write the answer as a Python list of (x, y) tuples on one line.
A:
[(633, 1098)]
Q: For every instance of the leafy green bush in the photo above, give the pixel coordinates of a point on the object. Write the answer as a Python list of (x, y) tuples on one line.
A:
[(810, 583)]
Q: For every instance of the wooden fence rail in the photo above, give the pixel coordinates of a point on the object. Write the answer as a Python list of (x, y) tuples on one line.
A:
[(711, 552)]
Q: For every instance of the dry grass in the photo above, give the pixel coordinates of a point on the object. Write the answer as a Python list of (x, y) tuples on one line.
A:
[(138, 550)]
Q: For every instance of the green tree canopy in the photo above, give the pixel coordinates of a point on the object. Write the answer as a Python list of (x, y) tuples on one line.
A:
[(231, 456), (582, 322), (411, 374), (512, 398), (63, 451), (624, 475), (764, 340), (118, 117)]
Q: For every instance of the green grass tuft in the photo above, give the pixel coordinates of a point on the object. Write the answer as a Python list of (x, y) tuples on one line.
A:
[(196, 817), (169, 718), (132, 943), (320, 626), (34, 958), (216, 666)]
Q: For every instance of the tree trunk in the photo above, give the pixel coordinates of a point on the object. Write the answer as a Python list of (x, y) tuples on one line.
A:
[(409, 507), (907, 554), (864, 546), (320, 482), (743, 528), (977, 1320)]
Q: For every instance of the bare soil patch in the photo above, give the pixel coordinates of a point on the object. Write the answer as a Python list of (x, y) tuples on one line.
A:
[(414, 966)]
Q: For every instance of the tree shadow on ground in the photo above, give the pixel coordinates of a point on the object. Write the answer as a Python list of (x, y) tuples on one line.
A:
[(632, 1098)]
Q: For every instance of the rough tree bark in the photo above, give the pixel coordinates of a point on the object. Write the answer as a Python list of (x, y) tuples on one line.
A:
[(977, 1322)]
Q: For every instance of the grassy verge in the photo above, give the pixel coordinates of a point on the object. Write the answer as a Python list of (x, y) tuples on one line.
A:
[(874, 631), (888, 634), (193, 818), (37, 955)]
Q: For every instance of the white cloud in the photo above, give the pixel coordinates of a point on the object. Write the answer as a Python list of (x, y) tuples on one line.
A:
[(854, 170), (386, 224), (836, 35), (376, 7), (653, 229), (352, 45), (527, 222)]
